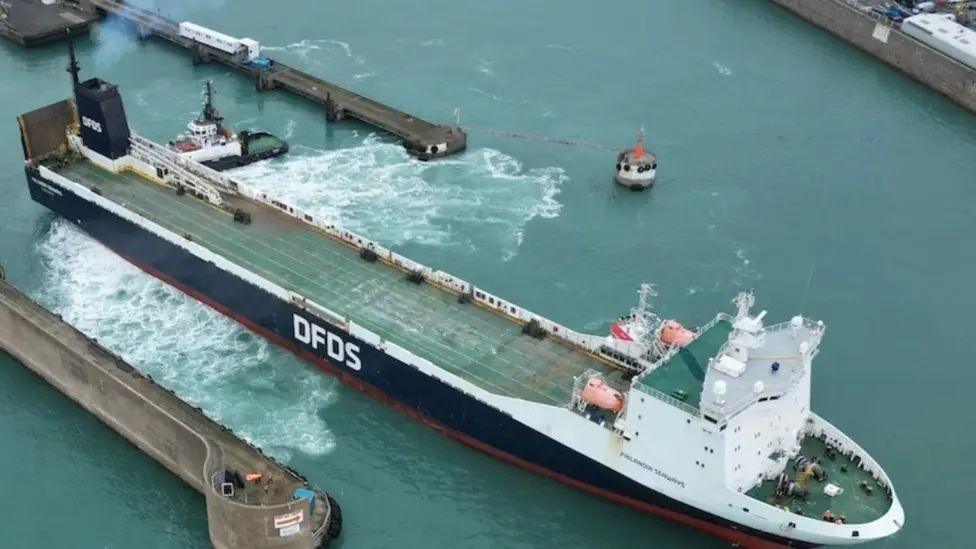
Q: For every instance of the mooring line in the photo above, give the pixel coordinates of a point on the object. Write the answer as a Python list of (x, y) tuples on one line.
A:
[(544, 139)]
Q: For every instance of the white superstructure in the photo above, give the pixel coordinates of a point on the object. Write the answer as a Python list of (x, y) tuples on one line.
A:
[(738, 441)]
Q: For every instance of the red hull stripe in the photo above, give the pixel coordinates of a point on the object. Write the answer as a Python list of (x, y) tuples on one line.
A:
[(723, 532)]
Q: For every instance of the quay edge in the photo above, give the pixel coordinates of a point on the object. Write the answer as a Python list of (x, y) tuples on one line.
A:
[(172, 432), (917, 60)]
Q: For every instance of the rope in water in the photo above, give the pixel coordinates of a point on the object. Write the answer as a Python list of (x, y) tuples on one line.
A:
[(545, 139)]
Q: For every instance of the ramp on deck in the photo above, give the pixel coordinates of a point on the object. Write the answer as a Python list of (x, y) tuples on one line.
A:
[(465, 339)]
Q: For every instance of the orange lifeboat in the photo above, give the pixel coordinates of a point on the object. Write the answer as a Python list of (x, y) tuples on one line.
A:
[(598, 393), (673, 333)]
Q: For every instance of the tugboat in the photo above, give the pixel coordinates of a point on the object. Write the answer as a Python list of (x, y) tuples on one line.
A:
[(636, 168), (209, 142)]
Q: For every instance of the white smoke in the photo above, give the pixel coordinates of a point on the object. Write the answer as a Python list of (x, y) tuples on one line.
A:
[(116, 37)]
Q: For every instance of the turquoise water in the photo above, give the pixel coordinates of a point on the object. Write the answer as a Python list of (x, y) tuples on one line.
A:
[(790, 163)]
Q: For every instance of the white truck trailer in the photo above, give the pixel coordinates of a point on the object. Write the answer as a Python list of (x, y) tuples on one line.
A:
[(247, 48)]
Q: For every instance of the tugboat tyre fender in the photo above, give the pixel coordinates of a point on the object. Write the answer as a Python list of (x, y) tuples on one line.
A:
[(335, 521)]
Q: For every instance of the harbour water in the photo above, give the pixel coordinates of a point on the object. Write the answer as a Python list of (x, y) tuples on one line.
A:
[(790, 163)]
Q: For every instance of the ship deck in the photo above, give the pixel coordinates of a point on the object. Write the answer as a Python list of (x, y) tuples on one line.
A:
[(464, 339), (854, 504), (683, 375)]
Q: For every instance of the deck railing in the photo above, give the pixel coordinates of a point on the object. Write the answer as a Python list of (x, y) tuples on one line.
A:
[(660, 395)]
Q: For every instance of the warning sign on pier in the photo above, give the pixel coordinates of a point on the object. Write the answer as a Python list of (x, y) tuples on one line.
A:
[(881, 32), (289, 524)]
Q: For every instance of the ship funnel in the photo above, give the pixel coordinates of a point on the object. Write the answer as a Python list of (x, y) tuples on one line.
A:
[(101, 116)]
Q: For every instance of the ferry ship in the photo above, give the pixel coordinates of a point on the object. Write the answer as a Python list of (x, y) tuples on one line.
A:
[(710, 427)]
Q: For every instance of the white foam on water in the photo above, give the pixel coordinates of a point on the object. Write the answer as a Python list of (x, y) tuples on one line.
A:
[(486, 67), (240, 380), (323, 46), (745, 272), (478, 201), (487, 94), (722, 69), (290, 128), (597, 324), (433, 42), (140, 99)]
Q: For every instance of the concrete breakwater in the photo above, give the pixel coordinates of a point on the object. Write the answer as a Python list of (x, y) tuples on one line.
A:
[(421, 138), (276, 510), (930, 67)]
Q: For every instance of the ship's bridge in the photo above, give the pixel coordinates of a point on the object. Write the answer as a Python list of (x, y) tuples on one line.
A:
[(734, 362), (760, 365)]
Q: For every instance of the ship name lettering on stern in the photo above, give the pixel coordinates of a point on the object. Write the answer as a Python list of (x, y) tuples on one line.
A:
[(312, 334)]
